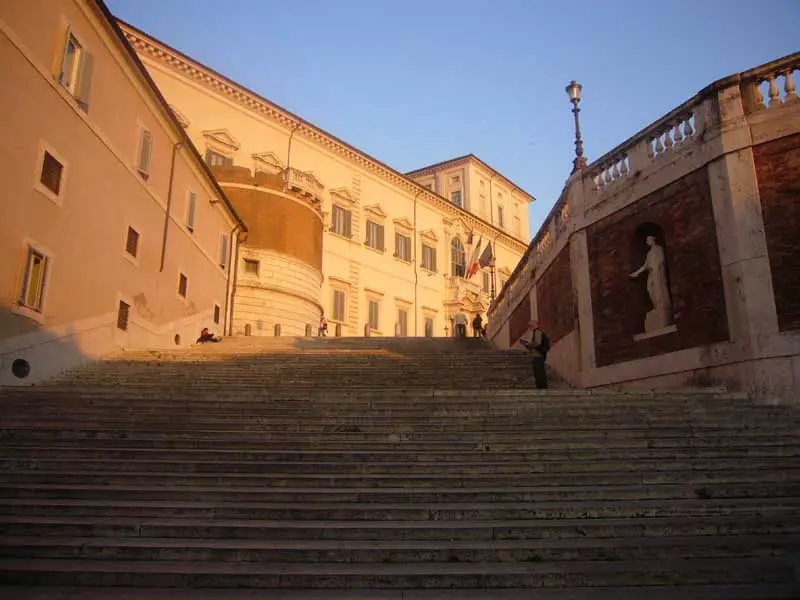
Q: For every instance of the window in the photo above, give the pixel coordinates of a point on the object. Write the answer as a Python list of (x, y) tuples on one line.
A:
[(183, 284), (374, 314), (123, 313), (217, 311), (341, 221), (455, 198), (33, 282), (402, 247), (132, 242), (145, 153), (223, 251), (375, 236), (76, 69), (483, 204), (517, 225), (485, 281), (251, 267), (338, 305), (458, 258), (500, 215), (191, 209), (215, 159), (402, 322), (52, 170), (428, 327), (428, 257)]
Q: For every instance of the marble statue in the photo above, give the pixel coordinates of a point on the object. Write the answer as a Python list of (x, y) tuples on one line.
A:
[(658, 290)]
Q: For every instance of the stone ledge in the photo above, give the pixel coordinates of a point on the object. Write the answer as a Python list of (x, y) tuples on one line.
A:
[(658, 332)]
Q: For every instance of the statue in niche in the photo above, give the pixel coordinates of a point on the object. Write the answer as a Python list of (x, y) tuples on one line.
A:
[(656, 266)]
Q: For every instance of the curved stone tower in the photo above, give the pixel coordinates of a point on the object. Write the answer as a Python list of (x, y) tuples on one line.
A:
[(280, 263)]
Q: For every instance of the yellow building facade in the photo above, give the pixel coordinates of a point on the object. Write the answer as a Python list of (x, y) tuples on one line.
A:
[(394, 246), (115, 234)]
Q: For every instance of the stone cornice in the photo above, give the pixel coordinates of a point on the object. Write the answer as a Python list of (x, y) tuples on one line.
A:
[(375, 210), (156, 51)]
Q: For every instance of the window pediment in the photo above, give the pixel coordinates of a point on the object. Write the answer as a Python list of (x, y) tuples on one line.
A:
[(339, 282), (269, 161), (343, 195), (504, 271), (180, 116), (403, 224), (377, 294), (222, 137), (429, 235), (376, 211)]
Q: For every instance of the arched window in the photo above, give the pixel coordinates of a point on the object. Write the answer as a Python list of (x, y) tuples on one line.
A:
[(458, 258)]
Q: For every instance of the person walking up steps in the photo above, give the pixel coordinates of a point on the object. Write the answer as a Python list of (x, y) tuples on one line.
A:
[(538, 345)]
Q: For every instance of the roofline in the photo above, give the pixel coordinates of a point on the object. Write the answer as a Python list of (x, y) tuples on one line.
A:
[(139, 66), (419, 188), (476, 159)]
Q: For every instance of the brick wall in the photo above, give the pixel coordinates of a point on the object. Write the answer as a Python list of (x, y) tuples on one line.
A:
[(274, 221), (684, 213), (778, 173), (518, 322), (555, 300)]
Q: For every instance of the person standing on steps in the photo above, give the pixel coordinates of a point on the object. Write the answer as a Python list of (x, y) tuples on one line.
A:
[(461, 324), (323, 326), (477, 325), (538, 346)]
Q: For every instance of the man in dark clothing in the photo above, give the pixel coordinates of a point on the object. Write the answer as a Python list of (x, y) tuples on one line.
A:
[(477, 325), (206, 336), (538, 348)]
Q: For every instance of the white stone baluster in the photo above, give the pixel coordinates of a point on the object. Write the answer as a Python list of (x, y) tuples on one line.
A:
[(660, 148), (687, 127), (788, 85), (617, 175), (668, 139), (759, 96), (676, 132), (774, 94), (624, 166), (650, 152)]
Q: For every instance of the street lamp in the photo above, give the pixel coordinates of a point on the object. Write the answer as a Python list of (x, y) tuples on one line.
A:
[(574, 93)]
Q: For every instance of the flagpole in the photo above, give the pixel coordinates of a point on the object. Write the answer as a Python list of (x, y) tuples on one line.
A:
[(492, 263)]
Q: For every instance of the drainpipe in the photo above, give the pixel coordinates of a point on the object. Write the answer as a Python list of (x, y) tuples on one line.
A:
[(416, 273), (233, 286), (289, 156), (230, 280), (175, 149)]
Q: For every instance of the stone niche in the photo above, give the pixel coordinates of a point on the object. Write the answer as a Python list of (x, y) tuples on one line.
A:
[(651, 292)]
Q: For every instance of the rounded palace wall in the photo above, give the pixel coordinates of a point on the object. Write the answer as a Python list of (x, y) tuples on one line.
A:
[(283, 222), (285, 290)]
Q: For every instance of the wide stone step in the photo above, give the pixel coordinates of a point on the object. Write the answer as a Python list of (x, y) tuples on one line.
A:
[(564, 466), (393, 576), (543, 439), (519, 493), (406, 456), (399, 551), (393, 480), (771, 523), (463, 511)]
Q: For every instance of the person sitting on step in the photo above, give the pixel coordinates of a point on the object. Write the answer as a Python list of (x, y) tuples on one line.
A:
[(207, 336)]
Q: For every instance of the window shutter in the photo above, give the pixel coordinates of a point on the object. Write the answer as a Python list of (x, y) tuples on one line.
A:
[(348, 223), (190, 210), (381, 246), (84, 86), (145, 150), (62, 35), (223, 251)]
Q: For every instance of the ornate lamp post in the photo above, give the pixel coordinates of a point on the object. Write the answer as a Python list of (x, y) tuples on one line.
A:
[(574, 93)]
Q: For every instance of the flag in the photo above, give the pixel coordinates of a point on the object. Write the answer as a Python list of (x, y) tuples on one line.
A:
[(486, 256), (472, 266)]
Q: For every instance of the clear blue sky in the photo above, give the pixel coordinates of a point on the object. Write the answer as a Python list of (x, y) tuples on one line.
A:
[(414, 82)]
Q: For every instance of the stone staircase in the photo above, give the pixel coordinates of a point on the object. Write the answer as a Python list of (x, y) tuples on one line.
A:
[(389, 468)]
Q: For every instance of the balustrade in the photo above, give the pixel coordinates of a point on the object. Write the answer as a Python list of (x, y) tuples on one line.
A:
[(671, 135), (775, 87)]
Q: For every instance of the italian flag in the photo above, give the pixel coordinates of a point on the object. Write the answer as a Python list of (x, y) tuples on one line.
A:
[(472, 266)]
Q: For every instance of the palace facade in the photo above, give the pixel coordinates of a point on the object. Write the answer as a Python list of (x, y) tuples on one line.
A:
[(333, 229)]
